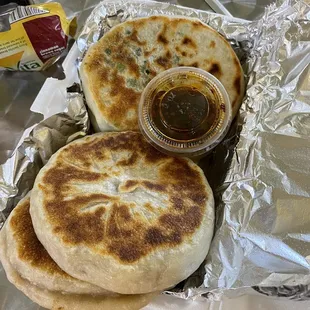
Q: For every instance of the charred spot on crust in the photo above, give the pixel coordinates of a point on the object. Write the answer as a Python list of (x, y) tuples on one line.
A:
[(177, 202), (154, 186), (128, 253), (162, 61), (237, 87), (155, 18), (189, 42), (29, 248), (148, 53), (177, 170), (198, 198), (162, 39), (189, 222), (154, 236), (60, 175), (212, 44), (95, 63), (57, 229), (216, 70), (130, 184), (124, 213), (103, 74), (194, 64), (237, 84), (134, 37), (154, 156), (237, 81)]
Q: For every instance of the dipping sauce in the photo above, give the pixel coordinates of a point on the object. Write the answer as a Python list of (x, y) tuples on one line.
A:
[(184, 111)]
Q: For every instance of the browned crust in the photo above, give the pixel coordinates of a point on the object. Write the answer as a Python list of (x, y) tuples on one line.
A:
[(119, 50), (189, 42), (29, 248), (216, 70), (113, 227)]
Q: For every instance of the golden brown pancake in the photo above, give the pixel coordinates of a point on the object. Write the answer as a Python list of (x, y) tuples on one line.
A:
[(113, 211), (31, 260), (58, 301), (42, 280), (117, 68)]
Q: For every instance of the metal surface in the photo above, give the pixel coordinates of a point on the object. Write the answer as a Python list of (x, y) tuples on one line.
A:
[(218, 7), (247, 9)]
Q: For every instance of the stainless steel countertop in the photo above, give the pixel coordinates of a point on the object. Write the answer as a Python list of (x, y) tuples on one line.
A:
[(19, 89)]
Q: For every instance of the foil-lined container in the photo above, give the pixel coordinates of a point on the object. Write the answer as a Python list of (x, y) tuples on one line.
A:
[(260, 173)]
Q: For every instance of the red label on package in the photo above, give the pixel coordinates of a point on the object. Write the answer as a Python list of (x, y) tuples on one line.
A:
[(47, 37)]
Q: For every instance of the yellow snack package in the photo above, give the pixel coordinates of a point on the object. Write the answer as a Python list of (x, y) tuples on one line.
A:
[(36, 37)]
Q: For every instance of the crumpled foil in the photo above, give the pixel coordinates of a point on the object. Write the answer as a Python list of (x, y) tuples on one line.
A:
[(263, 231), (259, 174), (37, 145)]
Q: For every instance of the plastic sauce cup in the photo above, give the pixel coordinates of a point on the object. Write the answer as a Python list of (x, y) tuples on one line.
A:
[(185, 111)]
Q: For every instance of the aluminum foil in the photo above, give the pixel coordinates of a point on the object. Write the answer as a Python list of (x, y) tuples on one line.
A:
[(37, 145), (110, 13), (264, 230), (259, 174)]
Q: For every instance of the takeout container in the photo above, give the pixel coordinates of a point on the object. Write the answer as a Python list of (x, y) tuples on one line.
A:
[(185, 111)]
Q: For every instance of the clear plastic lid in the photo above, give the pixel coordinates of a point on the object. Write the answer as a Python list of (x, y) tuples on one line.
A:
[(184, 111)]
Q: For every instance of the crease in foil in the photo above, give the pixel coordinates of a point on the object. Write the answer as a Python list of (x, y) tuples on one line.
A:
[(263, 232), (259, 174), (18, 173)]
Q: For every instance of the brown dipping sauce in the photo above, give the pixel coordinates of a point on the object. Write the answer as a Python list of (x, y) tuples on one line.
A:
[(183, 113)]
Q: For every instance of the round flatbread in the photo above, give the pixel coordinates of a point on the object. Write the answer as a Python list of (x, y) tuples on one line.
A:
[(113, 211), (59, 301), (30, 259), (116, 69)]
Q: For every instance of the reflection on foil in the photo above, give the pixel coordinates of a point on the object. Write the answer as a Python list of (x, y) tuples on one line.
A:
[(264, 230), (18, 173), (260, 176), (297, 292)]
